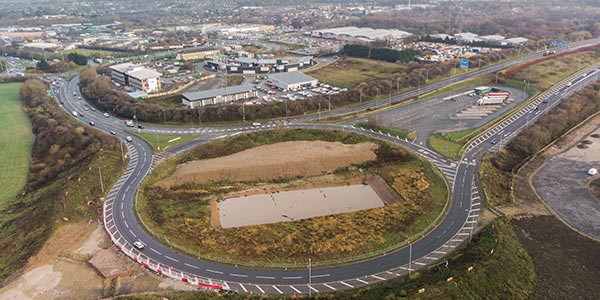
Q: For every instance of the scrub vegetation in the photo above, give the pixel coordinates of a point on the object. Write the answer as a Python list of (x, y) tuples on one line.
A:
[(186, 209), (63, 183)]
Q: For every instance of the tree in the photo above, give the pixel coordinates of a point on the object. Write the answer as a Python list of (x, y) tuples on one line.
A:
[(77, 58), (42, 65)]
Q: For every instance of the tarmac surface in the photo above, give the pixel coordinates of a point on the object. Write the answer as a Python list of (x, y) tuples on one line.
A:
[(561, 183)]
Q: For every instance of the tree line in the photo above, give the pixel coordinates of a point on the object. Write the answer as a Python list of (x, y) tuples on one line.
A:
[(379, 53)]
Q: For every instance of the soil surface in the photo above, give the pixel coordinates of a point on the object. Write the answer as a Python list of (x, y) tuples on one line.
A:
[(567, 264), (286, 159)]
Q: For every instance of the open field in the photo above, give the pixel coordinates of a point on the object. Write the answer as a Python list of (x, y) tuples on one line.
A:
[(189, 208), (269, 162), (445, 147), (350, 71), (91, 52), (16, 139)]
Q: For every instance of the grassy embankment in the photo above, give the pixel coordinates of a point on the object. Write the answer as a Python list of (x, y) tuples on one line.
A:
[(543, 75), (186, 210), (501, 270), (63, 182), (160, 142), (16, 139)]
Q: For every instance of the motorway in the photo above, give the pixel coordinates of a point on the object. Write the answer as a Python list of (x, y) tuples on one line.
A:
[(456, 226)]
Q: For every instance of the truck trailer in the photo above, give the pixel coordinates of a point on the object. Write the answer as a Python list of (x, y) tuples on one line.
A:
[(493, 98)]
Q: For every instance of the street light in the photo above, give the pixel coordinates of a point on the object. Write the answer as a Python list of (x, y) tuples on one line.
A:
[(309, 278)]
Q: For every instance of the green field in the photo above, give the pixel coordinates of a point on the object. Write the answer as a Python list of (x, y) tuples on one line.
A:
[(16, 139), (350, 71), (90, 52)]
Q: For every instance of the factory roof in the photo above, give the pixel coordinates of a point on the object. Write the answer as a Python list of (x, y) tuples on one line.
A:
[(292, 77), (193, 96)]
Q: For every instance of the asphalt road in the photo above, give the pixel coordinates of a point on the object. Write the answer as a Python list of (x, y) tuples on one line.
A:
[(450, 232)]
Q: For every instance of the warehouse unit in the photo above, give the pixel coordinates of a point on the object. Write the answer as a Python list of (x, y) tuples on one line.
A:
[(218, 96), (292, 81)]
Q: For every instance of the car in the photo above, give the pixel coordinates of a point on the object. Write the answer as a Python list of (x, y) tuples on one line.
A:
[(92, 109), (61, 102), (255, 124), (129, 139), (106, 115), (493, 142), (75, 114), (92, 123), (112, 132), (80, 114), (545, 101), (140, 126), (85, 108), (139, 245)]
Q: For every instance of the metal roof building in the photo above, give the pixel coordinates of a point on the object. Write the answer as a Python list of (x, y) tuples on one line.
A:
[(216, 96), (292, 81), (361, 33)]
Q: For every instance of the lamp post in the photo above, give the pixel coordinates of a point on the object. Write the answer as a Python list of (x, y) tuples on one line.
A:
[(309, 277)]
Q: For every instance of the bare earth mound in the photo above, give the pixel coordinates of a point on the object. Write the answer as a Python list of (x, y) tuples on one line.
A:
[(287, 159)]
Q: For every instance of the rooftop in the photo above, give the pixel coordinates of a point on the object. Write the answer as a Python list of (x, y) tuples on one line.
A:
[(195, 50), (144, 73), (292, 77), (365, 32), (193, 96), (122, 67)]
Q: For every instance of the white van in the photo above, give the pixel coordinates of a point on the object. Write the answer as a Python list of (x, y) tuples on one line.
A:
[(592, 171), (74, 113)]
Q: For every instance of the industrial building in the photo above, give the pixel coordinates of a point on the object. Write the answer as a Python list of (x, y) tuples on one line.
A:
[(136, 76), (217, 96), (243, 65), (362, 34), (292, 81), (197, 53)]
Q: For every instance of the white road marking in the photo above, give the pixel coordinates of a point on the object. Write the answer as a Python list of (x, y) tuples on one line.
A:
[(278, 290), (243, 288), (312, 288), (155, 251), (258, 287), (327, 285), (238, 275), (377, 277), (419, 263), (171, 258), (360, 280), (207, 270), (295, 289), (296, 277), (195, 267), (265, 277), (132, 233), (319, 276), (346, 284)]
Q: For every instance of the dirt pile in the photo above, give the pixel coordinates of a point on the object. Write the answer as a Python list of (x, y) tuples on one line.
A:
[(287, 159)]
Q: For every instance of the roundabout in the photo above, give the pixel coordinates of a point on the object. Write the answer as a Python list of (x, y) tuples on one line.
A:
[(455, 226)]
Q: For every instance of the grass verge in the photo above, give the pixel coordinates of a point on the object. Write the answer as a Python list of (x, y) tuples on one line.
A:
[(16, 139), (161, 142)]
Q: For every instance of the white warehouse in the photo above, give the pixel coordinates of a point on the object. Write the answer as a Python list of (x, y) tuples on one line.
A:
[(292, 81)]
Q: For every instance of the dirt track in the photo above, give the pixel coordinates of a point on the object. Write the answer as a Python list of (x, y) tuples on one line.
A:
[(287, 159)]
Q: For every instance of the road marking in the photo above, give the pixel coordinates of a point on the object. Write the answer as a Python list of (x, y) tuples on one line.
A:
[(296, 277), (258, 287), (243, 288), (312, 288), (327, 285), (322, 275), (346, 284), (265, 277), (428, 257), (295, 289), (166, 256), (155, 251), (132, 233), (360, 280), (439, 252), (377, 277), (278, 290), (238, 275), (126, 225), (419, 263)]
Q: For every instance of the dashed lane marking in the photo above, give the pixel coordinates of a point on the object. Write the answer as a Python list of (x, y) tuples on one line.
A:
[(294, 277), (166, 256), (153, 250), (265, 277), (238, 275), (319, 276)]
